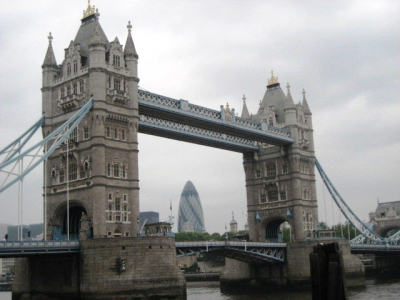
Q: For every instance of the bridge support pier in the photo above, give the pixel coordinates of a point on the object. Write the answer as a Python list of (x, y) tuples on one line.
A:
[(106, 268), (295, 274)]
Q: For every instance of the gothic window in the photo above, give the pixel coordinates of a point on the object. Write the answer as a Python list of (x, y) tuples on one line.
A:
[(302, 134), (271, 169), (109, 169), (110, 196), (68, 69), (75, 86), (68, 90), (118, 218), (116, 170), (116, 60), (126, 219), (123, 134), (306, 194), (263, 198), (123, 171), (117, 205), (62, 92), (81, 87), (109, 206), (285, 168), (73, 137), (283, 195), (125, 86), (272, 193), (117, 84), (72, 171), (306, 169), (109, 82), (125, 198), (270, 121), (86, 133), (258, 173), (75, 66), (116, 133), (109, 219), (107, 131), (82, 173), (62, 177)]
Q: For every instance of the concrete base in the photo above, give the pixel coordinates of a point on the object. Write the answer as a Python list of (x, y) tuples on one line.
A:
[(294, 275), (117, 268)]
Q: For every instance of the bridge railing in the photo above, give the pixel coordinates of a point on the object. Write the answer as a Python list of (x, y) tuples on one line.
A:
[(229, 243), (37, 244)]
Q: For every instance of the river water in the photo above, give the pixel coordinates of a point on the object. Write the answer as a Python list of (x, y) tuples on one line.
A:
[(375, 289)]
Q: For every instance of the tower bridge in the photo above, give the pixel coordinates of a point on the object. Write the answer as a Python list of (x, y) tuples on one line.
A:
[(93, 111)]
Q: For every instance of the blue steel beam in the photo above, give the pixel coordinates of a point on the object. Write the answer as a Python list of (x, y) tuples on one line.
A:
[(183, 112), (193, 134), (59, 135)]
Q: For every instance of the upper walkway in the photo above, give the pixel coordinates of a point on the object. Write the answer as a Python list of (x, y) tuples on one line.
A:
[(181, 120), (30, 248)]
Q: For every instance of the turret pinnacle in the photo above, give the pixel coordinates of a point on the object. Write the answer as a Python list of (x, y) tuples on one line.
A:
[(245, 111), (50, 59), (289, 100), (305, 104), (129, 45), (97, 38)]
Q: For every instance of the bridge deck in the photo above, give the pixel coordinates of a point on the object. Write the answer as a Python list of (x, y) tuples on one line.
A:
[(30, 248)]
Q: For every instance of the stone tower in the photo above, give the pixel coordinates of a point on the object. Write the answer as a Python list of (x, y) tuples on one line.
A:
[(233, 224), (95, 174), (280, 181)]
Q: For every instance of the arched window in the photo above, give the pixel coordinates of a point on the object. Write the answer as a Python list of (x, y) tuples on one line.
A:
[(271, 169), (271, 121), (272, 191), (107, 131), (285, 168), (116, 170), (81, 86), (117, 204)]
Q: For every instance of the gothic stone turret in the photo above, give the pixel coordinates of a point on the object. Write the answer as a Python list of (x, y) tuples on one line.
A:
[(280, 181), (102, 170)]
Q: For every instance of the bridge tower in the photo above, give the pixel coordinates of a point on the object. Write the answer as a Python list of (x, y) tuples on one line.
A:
[(95, 174), (280, 180)]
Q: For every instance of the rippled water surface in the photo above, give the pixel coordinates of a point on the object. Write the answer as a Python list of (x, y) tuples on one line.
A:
[(375, 289)]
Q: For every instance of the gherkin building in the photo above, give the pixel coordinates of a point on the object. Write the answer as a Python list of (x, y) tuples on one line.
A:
[(190, 216)]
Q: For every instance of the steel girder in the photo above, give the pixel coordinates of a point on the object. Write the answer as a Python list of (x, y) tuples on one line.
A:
[(250, 252), (13, 169)]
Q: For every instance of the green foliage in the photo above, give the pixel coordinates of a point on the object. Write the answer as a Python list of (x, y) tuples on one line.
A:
[(192, 269), (192, 236)]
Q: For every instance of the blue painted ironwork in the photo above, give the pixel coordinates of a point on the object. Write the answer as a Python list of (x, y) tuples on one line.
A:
[(59, 136), (183, 112), (258, 251), (363, 228), (28, 248), (16, 146), (202, 135)]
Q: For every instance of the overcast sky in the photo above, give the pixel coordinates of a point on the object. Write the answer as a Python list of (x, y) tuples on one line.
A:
[(345, 54)]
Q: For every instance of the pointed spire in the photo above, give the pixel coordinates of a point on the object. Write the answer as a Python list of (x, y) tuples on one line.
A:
[(305, 104), (245, 111), (130, 50), (50, 59), (289, 100)]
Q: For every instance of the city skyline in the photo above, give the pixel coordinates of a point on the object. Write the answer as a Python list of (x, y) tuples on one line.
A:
[(211, 53)]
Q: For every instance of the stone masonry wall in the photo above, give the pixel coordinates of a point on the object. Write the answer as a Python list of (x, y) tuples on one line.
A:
[(150, 269)]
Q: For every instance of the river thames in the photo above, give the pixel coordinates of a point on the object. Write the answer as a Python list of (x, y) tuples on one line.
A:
[(375, 289)]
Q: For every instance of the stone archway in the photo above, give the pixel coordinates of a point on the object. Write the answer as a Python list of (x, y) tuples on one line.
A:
[(61, 226), (275, 232)]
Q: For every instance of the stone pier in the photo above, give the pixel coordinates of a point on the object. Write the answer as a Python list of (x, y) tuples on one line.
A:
[(294, 274), (109, 268)]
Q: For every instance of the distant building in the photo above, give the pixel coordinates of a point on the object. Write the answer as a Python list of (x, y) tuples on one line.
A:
[(32, 231), (150, 216), (7, 265), (233, 224), (190, 210), (157, 228), (188, 227)]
